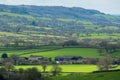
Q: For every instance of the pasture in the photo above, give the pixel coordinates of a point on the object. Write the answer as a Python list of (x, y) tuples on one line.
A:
[(99, 36), (84, 52), (53, 51), (91, 76), (65, 68), (23, 50)]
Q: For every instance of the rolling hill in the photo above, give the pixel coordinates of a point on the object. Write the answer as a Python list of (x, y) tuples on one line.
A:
[(45, 24)]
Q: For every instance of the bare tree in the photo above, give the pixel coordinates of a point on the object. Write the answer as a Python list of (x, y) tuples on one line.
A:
[(44, 67), (9, 66), (15, 59), (100, 51), (105, 62), (56, 70)]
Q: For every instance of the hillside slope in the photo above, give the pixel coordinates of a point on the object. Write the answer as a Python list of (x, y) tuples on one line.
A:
[(45, 24)]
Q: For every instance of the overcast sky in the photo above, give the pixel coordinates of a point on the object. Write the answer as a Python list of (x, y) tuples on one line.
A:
[(106, 6)]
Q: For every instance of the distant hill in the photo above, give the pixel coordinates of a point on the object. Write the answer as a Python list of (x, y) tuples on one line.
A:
[(35, 22), (49, 11)]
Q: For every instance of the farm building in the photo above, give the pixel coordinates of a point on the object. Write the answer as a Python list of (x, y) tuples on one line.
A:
[(67, 59), (32, 57)]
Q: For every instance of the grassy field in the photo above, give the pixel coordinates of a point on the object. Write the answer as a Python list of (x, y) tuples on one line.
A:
[(65, 68), (53, 51), (91, 76), (81, 36), (100, 36), (117, 53), (23, 50), (84, 52)]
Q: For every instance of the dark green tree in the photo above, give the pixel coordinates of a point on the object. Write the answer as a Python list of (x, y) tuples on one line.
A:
[(4, 55)]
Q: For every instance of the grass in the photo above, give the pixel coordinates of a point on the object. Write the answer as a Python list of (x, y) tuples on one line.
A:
[(84, 52), (66, 20), (79, 68), (65, 68), (11, 34), (91, 76), (23, 50), (117, 53), (53, 51), (83, 72), (17, 15), (99, 36)]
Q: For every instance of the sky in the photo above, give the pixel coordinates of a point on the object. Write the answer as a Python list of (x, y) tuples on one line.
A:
[(106, 6)]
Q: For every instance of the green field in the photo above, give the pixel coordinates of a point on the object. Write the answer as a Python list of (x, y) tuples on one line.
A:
[(91, 76), (84, 52), (100, 36), (117, 53), (24, 50), (65, 68), (53, 51)]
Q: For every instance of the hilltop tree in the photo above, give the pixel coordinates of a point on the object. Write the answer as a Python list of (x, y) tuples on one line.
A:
[(109, 47), (71, 43)]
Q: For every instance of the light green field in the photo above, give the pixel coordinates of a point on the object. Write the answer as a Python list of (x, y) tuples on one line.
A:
[(84, 52), (66, 68), (53, 51), (16, 15), (22, 50), (100, 36), (92, 76)]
